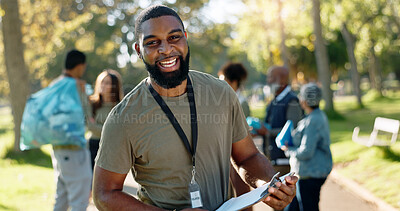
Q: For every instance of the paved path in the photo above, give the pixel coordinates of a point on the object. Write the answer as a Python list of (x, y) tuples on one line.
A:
[(334, 198)]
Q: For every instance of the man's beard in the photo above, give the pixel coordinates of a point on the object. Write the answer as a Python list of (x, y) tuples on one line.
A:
[(170, 80)]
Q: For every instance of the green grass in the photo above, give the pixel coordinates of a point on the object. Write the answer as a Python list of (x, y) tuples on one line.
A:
[(375, 168), (27, 181)]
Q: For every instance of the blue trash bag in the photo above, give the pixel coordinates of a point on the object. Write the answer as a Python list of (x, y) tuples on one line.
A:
[(256, 124), (54, 115), (285, 136)]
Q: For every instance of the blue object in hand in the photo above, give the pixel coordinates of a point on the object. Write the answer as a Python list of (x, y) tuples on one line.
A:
[(284, 137), (256, 124)]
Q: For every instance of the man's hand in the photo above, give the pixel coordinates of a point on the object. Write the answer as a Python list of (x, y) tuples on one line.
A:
[(91, 120), (263, 131), (282, 197)]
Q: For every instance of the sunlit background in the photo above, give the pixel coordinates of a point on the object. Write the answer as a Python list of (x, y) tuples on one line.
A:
[(351, 48), (258, 33)]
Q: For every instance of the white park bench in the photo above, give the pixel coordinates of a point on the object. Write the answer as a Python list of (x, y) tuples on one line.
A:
[(390, 126)]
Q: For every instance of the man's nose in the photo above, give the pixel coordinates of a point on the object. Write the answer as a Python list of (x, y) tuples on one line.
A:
[(165, 48)]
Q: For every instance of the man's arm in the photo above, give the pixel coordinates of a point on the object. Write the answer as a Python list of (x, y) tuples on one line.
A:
[(108, 194), (257, 170), (251, 162)]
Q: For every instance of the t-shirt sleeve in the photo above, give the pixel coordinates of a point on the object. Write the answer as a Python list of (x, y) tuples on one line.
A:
[(115, 151), (240, 129)]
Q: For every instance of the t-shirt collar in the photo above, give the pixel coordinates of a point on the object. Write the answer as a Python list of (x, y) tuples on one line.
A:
[(283, 93)]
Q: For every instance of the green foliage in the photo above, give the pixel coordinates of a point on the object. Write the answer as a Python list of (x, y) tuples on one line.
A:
[(374, 24), (205, 59), (103, 30), (258, 36), (373, 95), (337, 51), (390, 57)]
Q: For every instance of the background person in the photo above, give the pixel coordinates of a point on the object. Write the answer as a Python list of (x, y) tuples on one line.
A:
[(71, 163), (310, 157), (164, 159), (107, 93), (235, 74), (285, 106)]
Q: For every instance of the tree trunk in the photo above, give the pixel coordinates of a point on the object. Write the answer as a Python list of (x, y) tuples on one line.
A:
[(375, 72), (284, 50), (349, 39), (15, 64), (322, 58)]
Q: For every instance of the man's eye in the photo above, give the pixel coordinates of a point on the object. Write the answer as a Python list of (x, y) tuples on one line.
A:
[(150, 43), (175, 37)]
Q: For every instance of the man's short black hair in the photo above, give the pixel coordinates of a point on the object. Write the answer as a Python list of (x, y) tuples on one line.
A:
[(154, 11), (74, 58), (234, 72)]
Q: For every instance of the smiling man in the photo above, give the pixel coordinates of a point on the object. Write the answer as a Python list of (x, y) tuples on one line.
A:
[(166, 55), (176, 131)]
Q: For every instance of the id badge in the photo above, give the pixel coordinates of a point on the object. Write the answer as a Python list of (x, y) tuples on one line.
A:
[(195, 196), (194, 191)]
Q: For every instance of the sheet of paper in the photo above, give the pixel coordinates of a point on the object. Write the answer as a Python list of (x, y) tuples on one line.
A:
[(247, 199), (244, 200)]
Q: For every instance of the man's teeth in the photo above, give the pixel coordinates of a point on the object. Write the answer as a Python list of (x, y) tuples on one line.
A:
[(169, 63)]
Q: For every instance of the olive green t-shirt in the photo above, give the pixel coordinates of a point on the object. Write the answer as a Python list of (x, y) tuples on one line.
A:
[(137, 135)]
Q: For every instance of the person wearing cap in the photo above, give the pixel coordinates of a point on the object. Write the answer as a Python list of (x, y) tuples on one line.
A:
[(310, 157)]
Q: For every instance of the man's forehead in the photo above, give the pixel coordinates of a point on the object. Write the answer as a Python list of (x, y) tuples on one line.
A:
[(278, 71), (273, 73), (162, 24)]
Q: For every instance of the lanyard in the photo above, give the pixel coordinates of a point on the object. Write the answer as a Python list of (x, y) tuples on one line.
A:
[(175, 123)]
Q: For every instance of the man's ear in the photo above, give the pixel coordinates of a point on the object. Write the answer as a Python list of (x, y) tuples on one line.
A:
[(137, 48)]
